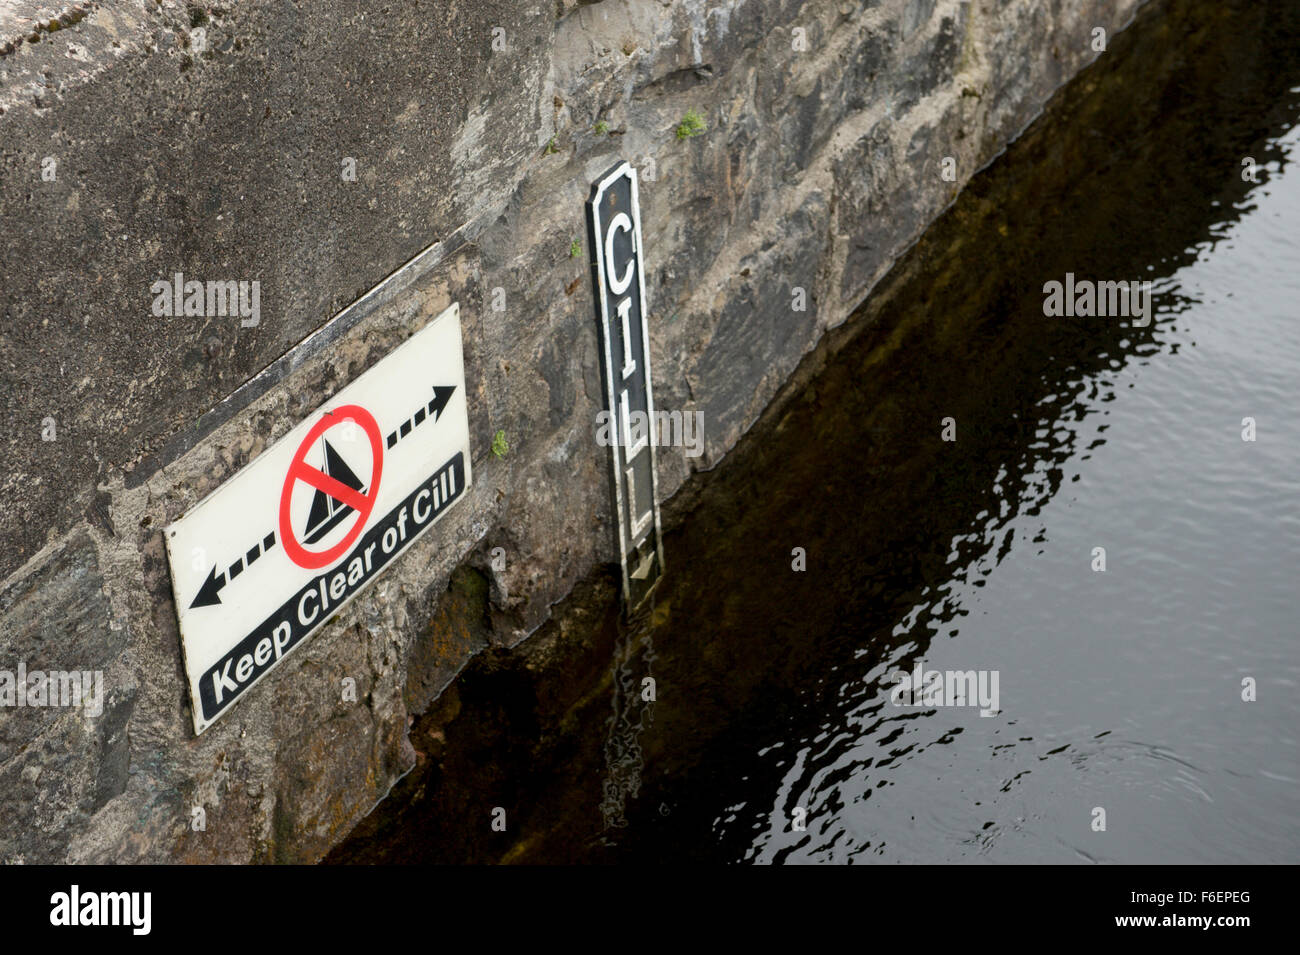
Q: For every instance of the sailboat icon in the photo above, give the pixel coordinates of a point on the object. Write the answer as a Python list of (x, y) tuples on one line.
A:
[(326, 512)]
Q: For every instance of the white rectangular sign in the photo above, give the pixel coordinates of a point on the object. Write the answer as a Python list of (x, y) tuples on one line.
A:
[(273, 553)]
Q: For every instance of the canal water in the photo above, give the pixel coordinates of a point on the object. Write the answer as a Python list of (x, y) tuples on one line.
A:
[(947, 470)]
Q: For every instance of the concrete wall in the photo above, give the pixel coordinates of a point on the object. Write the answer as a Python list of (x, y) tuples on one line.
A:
[(210, 139)]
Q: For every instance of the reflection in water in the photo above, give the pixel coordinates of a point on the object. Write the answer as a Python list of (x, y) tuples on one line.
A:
[(633, 700), (773, 737)]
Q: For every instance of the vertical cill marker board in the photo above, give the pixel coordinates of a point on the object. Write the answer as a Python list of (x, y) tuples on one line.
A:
[(264, 560), (614, 240)]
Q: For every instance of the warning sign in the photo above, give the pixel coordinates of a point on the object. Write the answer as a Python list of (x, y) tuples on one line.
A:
[(262, 562), (339, 493)]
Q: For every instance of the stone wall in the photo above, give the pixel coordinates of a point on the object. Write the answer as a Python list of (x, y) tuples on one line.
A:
[(142, 138)]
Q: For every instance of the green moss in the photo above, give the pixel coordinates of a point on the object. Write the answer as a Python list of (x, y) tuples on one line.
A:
[(601, 127), (551, 147), (575, 249), (499, 445), (468, 583), (692, 124)]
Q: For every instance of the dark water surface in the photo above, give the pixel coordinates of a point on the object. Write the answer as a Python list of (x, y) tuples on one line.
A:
[(1119, 689)]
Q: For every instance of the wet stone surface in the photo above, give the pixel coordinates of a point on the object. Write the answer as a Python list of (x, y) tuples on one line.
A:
[(1119, 689)]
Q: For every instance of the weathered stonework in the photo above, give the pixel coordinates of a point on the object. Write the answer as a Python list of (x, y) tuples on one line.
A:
[(818, 166)]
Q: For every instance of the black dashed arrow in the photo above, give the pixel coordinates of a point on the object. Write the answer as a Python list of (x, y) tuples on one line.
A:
[(441, 395), (210, 593)]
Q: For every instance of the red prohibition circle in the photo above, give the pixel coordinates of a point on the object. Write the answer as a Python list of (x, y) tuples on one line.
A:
[(300, 470)]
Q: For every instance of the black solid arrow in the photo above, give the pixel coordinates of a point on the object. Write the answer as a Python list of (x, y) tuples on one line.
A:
[(210, 592), (441, 395)]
